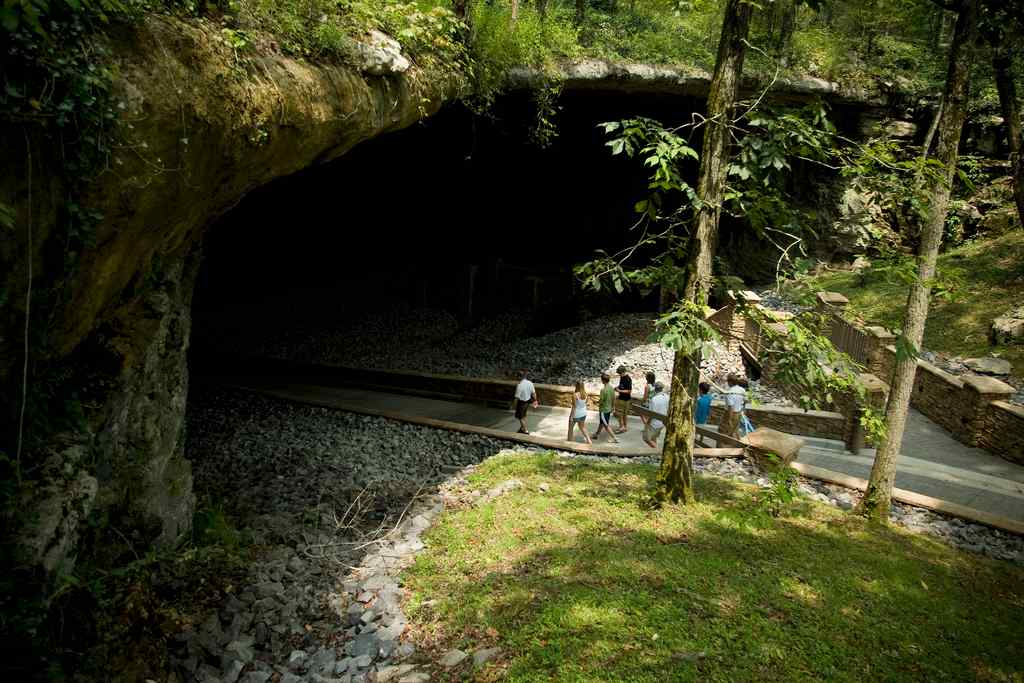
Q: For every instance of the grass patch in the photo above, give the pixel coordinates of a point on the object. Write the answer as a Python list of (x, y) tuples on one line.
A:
[(993, 276), (579, 584)]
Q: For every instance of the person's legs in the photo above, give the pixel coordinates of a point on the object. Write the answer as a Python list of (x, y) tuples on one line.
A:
[(583, 430), (521, 416), (605, 425), (621, 411), (729, 424)]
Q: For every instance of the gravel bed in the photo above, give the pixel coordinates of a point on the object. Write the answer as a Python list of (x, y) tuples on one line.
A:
[(775, 301), (322, 494), (426, 340)]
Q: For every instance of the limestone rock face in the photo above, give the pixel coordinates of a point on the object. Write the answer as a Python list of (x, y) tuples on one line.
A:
[(858, 214), (1008, 328), (54, 512), (381, 55), (198, 131)]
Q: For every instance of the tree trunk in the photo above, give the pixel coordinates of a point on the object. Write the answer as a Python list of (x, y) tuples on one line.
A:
[(878, 497), (927, 145), (1002, 61), (675, 478), (783, 25), (515, 12), (714, 157), (461, 9), (580, 8), (542, 9)]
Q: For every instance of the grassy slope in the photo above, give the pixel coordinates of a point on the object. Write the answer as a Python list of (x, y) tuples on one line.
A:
[(993, 273), (579, 584)]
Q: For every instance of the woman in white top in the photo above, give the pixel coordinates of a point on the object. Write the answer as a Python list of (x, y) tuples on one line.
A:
[(578, 414)]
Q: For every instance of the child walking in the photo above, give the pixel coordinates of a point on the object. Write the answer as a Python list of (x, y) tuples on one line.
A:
[(604, 408), (703, 411), (578, 416)]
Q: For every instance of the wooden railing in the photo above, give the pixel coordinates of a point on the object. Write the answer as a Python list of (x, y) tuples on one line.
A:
[(735, 448), (849, 338)]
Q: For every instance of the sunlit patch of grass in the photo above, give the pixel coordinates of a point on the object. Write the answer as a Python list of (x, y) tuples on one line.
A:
[(578, 583)]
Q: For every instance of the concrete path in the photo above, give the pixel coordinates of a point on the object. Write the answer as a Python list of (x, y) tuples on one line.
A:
[(932, 463), (547, 423)]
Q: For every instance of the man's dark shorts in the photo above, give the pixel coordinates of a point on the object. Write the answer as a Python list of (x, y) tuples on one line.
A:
[(521, 407)]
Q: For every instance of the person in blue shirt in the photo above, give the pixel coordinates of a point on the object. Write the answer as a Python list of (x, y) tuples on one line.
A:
[(703, 412)]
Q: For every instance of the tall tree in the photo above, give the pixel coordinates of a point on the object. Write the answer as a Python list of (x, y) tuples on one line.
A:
[(675, 477), (1000, 35), (878, 497)]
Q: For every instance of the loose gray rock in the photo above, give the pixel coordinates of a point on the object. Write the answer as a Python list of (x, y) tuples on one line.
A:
[(297, 660), (453, 658), (1008, 328), (232, 671), (989, 365), (417, 677), (482, 656), (322, 662), (501, 489), (380, 55), (256, 677), (392, 673), (364, 645)]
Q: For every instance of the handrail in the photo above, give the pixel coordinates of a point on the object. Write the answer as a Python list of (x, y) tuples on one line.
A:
[(703, 431)]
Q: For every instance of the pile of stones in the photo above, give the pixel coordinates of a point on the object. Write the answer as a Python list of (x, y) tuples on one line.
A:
[(338, 502), (426, 340)]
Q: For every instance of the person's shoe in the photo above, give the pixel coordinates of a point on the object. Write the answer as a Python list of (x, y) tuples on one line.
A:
[(522, 431)]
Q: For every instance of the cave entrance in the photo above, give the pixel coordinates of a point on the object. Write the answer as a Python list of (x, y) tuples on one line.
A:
[(460, 213)]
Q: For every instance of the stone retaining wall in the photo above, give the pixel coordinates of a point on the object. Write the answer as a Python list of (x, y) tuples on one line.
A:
[(815, 423), (1004, 431), (969, 407)]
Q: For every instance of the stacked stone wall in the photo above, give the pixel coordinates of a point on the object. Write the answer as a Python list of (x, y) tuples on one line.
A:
[(1003, 431)]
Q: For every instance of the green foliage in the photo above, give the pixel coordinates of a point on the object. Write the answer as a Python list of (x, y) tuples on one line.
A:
[(760, 507), (990, 277), (497, 47), (325, 29), (654, 32), (211, 525), (685, 330)]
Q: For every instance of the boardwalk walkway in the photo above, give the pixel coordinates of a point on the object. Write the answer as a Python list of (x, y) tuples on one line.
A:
[(932, 464)]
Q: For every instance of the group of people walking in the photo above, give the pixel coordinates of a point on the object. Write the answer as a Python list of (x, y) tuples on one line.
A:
[(616, 401)]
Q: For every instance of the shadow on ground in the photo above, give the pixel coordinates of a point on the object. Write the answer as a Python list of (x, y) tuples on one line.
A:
[(581, 585)]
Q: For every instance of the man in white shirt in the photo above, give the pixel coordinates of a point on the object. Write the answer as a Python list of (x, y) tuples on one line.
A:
[(735, 401), (526, 395), (659, 404)]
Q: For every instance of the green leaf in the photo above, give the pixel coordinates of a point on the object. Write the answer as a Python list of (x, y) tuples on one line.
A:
[(905, 349)]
